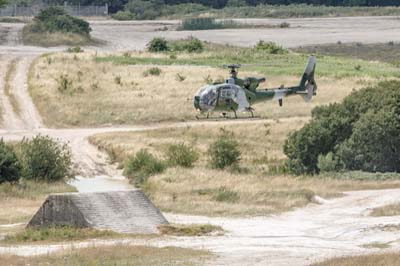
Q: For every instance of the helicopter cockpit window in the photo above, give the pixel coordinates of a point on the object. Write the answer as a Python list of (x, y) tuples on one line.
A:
[(208, 97)]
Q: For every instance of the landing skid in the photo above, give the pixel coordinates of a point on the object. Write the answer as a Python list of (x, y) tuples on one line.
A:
[(226, 116)]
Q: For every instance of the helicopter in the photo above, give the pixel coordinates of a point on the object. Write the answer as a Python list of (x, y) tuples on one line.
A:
[(238, 95)]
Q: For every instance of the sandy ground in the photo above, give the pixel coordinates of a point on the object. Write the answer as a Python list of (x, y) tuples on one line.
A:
[(336, 227)]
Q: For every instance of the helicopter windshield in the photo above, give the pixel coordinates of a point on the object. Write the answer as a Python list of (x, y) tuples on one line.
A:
[(206, 98)]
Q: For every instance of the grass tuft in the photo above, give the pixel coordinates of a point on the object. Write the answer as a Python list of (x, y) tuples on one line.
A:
[(190, 230)]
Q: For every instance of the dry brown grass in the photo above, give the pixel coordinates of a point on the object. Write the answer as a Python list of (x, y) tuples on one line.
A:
[(118, 255), (47, 39), (387, 210), (205, 191), (8, 79), (190, 229), (384, 259), (96, 98), (20, 202)]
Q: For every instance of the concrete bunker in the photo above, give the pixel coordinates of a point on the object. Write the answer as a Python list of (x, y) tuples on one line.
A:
[(120, 211)]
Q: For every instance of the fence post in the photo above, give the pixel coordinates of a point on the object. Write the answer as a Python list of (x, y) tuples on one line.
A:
[(15, 10), (106, 9)]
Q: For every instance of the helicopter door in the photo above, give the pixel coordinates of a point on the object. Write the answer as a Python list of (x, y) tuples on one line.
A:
[(226, 93)]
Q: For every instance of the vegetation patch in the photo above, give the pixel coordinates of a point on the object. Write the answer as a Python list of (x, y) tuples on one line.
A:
[(190, 230), (21, 200), (53, 26), (257, 190), (387, 210), (383, 259), (57, 234), (116, 255), (383, 52), (8, 80), (361, 133)]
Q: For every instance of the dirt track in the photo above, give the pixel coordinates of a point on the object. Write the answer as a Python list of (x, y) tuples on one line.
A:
[(337, 227)]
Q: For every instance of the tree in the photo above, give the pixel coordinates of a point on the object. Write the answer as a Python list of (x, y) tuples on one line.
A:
[(361, 132), (2, 2)]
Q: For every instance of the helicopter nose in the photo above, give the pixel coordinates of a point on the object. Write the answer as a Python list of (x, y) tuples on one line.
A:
[(196, 102)]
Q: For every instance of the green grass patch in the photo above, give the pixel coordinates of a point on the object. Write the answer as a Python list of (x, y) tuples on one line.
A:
[(264, 63), (190, 230), (383, 52), (57, 234)]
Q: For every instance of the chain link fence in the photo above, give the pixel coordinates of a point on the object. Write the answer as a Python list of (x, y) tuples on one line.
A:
[(31, 11)]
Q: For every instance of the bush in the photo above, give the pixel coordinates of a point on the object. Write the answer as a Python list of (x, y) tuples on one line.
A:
[(200, 24), (269, 47), (154, 71), (362, 132), (141, 9), (54, 19), (157, 45), (122, 15), (75, 49), (181, 155), (44, 159), (191, 45), (141, 166), (10, 167), (224, 151)]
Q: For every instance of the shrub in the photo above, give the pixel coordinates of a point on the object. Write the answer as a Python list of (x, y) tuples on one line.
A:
[(224, 151), (10, 167), (154, 71), (44, 159), (64, 83), (54, 19), (181, 155), (191, 45), (362, 132), (200, 24), (269, 47), (157, 45), (75, 49), (142, 9), (122, 15), (141, 166)]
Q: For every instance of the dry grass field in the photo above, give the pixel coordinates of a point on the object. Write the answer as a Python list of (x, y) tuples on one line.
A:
[(258, 189), (117, 255), (387, 210), (20, 202), (385, 259), (77, 90)]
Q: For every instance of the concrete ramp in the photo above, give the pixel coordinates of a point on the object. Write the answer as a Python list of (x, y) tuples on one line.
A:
[(120, 211)]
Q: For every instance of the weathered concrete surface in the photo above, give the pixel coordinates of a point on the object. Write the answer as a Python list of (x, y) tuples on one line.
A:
[(120, 211)]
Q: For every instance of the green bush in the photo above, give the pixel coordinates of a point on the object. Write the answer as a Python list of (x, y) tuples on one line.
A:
[(141, 166), (122, 15), (181, 155), (200, 24), (224, 151), (75, 49), (157, 45), (269, 47), (141, 9), (362, 132), (10, 167), (54, 19), (44, 159), (191, 45)]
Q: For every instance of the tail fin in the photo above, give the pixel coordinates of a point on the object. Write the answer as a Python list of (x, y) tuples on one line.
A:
[(308, 86)]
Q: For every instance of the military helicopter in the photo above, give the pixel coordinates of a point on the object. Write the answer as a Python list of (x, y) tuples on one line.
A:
[(238, 95)]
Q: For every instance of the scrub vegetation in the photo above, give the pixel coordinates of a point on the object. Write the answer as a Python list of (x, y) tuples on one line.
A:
[(53, 26), (117, 255), (87, 90), (190, 230), (383, 259), (259, 185)]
